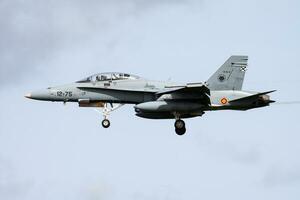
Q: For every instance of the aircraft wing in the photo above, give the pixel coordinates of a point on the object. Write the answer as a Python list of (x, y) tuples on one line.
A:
[(189, 92)]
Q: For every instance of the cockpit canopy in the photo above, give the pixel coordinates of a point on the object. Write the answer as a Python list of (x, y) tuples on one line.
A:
[(111, 76)]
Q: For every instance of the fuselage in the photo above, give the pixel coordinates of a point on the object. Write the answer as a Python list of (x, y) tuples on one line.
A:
[(92, 93), (162, 99), (118, 91)]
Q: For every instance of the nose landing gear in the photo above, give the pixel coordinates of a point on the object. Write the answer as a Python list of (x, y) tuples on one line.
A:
[(106, 111), (106, 123)]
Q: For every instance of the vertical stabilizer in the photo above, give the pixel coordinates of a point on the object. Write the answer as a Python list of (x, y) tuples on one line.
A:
[(230, 76)]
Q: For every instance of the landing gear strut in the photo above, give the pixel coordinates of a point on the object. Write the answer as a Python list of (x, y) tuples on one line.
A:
[(180, 127), (106, 111)]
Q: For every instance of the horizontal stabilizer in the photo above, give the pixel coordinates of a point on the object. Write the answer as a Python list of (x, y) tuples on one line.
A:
[(253, 98)]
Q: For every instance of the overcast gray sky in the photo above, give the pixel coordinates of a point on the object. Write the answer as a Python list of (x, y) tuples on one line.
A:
[(49, 151)]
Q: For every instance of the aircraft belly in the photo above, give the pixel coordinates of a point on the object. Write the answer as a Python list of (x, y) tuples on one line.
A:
[(166, 115), (167, 109)]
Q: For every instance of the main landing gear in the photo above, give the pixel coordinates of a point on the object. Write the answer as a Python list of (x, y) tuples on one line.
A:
[(107, 109), (180, 127), (179, 124)]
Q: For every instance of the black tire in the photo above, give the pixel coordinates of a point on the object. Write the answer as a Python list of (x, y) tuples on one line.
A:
[(181, 131), (179, 124), (106, 123)]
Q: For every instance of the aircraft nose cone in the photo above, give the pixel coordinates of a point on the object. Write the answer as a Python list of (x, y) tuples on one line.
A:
[(38, 95), (28, 95)]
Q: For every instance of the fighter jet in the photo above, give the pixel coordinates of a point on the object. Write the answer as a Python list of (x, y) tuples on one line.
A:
[(161, 99)]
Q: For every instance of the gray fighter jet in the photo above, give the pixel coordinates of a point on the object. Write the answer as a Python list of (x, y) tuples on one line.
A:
[(161, 99)]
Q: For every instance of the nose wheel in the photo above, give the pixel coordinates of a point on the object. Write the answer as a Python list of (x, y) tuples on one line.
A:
[(180, 127), (107, 109), (106, 123)]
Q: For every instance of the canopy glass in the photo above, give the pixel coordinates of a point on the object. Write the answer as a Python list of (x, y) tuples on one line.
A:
[(110, 76)]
